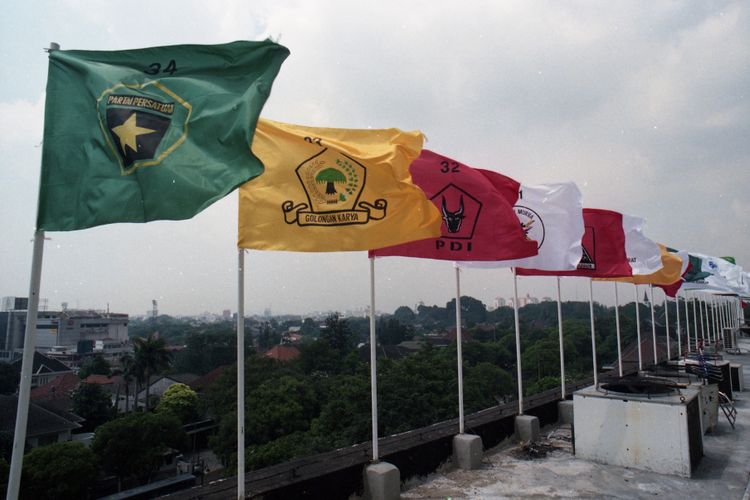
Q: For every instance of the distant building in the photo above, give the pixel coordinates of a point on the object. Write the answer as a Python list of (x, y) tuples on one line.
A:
[(43, 426), (68, 331), (498, 302), (43, 370)]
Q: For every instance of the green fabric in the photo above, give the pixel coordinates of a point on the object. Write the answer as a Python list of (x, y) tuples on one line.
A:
[(149, 134), (695, 272), (730, 259)]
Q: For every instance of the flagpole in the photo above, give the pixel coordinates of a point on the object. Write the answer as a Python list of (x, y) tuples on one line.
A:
[(714, 322), (666, 324), (677, 312), (560, 333), (459, 353), (700, 313), (653, 323), (373, 365), (638, 327), (24, 389), (518, 343), (593, 334), (240, 373), (617, 329), (695, 322)]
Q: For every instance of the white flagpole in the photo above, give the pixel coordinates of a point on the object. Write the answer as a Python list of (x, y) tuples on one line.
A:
[(653, 323), (459, 354), (24, 389), (638, 326), (700, 313), (677, 312), (518, 343), (714, 319), (373, 365), (617, 330), (687, 323), (695, 322), (560, 334), (666, 324), (240, 373), (593, 334)]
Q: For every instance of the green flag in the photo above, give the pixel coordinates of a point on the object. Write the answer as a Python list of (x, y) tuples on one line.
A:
[(149, 134)]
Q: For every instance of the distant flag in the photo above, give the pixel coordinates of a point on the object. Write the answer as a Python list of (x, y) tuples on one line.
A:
[(644, 255), (148, 134), (478, 220), (671, 271), (551, 215), (603, 248), (717, 274), (328, 190)]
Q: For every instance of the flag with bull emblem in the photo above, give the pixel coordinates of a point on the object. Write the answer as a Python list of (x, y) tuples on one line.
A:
[(476, 206)]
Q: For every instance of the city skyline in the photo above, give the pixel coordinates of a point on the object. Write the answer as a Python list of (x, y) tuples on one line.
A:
[(643, 105)]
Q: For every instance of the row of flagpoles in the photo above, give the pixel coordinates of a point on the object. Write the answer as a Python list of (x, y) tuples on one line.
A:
[(125, 141)]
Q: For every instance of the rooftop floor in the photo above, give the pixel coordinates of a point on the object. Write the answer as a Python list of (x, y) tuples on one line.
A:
[(549, 469)]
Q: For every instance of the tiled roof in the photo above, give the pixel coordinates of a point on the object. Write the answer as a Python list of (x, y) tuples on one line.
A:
[(208, 379), (42, 364), (58, 388), (40, 422), (282, 352)]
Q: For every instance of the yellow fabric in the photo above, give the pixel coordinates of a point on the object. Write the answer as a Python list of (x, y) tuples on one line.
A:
[(328, 190), (670, 273)]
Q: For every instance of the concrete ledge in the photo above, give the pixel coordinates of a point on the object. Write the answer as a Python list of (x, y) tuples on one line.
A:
[(527, 428), (382, 482), (467, 451), (565, 412)]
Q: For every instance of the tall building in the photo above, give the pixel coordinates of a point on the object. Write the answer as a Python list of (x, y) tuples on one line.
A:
[(69, 330)]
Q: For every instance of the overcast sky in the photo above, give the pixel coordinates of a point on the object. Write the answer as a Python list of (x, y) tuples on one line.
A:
[(644, 104)]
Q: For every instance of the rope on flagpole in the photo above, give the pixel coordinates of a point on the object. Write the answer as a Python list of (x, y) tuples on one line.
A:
[(240, 373)]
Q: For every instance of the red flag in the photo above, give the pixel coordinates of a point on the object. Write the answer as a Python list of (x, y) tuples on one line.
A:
[(479, 222), (603, 248)]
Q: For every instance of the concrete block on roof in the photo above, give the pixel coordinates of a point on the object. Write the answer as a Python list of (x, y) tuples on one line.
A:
[(382, 482), (467, 451), (565, 412), (527, 428)]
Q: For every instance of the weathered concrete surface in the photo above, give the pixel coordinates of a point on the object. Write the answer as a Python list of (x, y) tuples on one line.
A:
[(510, 473), (382, 481), (467, 451), (527, 428)]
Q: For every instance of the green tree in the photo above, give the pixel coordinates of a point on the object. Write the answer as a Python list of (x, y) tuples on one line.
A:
[(405, 315), (338, 334), (329, 176), (309, 328), (133, 446), (129, 372), (59, 471), (391, 331), (181, 401), (9, 379), (205, 351), (95, 365), (91, 402), (151, 358)]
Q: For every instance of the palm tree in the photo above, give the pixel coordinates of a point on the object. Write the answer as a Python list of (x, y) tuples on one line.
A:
[(151, 357), (128, 371)]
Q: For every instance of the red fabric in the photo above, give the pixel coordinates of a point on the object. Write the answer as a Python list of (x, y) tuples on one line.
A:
[(671, 290), (603, 245), (479, 222)]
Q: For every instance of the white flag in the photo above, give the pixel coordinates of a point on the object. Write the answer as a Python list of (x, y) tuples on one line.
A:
[(643, 254), (552, 215)]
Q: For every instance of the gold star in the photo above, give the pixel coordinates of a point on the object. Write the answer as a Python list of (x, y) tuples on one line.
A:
[(128, 132)]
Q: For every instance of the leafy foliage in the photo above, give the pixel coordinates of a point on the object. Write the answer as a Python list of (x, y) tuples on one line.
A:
[(181, 401), (92, 402), (95, 365), (59, 471), (132, 446)]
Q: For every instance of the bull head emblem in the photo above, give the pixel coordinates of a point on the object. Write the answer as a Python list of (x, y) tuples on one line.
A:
[(453, 219)]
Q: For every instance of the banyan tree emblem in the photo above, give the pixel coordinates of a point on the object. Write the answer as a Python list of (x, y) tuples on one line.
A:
[(333, 183)]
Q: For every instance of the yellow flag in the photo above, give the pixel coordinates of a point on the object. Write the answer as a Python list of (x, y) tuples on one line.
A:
[(329, 190), (670, 272)]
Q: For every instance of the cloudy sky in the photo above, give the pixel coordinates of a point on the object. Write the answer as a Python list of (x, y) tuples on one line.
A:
[(643, 104)]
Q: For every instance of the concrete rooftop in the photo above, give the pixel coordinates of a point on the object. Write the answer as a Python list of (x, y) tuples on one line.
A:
[(548, 469)]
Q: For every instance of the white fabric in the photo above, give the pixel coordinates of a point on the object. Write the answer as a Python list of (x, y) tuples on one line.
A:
[(552, 214), (643, 254)]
